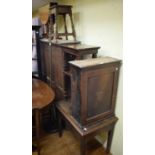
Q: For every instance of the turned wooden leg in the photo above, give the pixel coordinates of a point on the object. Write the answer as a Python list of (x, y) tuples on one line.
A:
[(37, 118), (72, 24), (60, 125), (110, 136), (56, 27), (66, 32), (83, 146)]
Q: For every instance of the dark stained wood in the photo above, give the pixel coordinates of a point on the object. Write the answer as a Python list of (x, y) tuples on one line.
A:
[(53, 73), (53, 53), (83, 146), (57, 66), (63, 10), (101, 61), (66, 32), (110, 136), (85, 134), (37, 44), (93, 95), (42, 94), (59, 53), (37, 121), (85, 89), (80, 49), (93, 87)]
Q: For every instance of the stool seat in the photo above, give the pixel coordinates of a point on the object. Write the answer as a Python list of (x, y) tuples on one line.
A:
[(61, 9)]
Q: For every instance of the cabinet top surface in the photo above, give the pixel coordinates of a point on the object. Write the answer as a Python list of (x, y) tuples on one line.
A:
[(93, 62), (59, 42), (80, 47), (61, 6)]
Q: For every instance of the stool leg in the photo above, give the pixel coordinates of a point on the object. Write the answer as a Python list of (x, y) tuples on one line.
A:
[(37, 118), (83, 146), (51, 27), (66, 32), (110, 136), (56, 26), (73, 29)]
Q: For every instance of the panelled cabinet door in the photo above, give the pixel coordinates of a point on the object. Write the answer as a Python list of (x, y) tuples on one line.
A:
[(57, 67), (98, 94), (53, 64)]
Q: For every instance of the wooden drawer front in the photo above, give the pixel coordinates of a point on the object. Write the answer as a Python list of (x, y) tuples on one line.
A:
[(98, 94)]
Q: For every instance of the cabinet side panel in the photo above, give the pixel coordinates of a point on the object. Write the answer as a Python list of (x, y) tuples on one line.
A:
[(75, 95)]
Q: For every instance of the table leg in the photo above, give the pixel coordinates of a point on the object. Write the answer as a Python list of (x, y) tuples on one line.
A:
[(37, 118), (110, 136), (83, 146), (60, 125)]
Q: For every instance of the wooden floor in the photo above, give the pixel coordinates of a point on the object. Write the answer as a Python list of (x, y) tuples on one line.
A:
[(67, 145)]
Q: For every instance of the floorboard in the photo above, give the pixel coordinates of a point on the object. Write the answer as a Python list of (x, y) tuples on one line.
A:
[(67, 145)]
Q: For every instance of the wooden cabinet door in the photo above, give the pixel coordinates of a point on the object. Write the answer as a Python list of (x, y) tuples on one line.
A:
[(98, 93), (57, 67)]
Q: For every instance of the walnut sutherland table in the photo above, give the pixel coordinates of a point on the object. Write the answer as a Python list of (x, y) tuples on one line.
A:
[(42, 96)]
